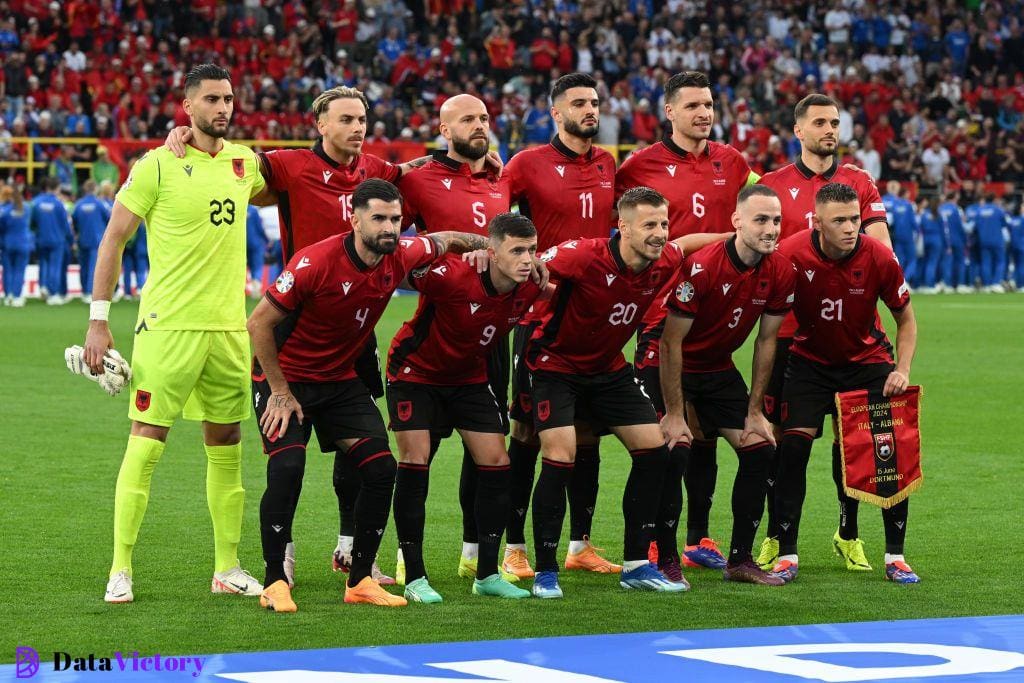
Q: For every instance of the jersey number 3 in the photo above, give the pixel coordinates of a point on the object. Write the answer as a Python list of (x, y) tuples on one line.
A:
[(222, 212)]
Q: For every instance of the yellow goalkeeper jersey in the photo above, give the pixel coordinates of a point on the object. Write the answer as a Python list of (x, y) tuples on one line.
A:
[(195, 210)]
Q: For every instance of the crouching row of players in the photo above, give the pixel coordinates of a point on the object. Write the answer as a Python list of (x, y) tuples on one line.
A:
[(703, 295)]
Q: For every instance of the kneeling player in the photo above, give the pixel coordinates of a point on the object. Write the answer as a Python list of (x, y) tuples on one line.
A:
[(437, 381), (840, 346), (307, 335), (724, 290)]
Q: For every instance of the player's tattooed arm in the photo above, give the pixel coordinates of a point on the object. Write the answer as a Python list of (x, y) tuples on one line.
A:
[(451, 242), (411, 165), (281, 404), (699, 240), (673, 425)]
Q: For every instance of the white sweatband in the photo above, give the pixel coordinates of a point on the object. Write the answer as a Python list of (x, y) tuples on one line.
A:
[(99, 310)]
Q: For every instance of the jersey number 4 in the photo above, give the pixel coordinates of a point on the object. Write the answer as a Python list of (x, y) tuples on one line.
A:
[(222, 212)]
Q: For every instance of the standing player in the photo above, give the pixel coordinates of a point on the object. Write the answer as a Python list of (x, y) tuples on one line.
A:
[(190, 340), (726, 288), (840, 345), (578, 373), (456, 190), (700, 179), (307, 335), (544, 181), (437, 380), (817, 128)]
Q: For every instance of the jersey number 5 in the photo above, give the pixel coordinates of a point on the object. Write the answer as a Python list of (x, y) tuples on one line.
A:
[(222, 212)]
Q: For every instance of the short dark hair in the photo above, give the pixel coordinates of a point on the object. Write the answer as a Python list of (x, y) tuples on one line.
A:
[(815, 99), (685, 79), (50, 183), (835, 193), (755, 191), (573, 80), (204, 72), (511, 225), (374, 188), (635, 196)]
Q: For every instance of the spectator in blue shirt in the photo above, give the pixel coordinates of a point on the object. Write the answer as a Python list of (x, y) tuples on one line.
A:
[(17, 246), (89, 217), (958, 43), (987, 221), (954, 262), (255, 249), (538, 128), (934, 241), (1017, 247), (900, 215), (49, 220)]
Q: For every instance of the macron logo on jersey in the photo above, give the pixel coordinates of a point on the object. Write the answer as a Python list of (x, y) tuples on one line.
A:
[(303, 263), (609, 278), (472, 308), (809, 274), (671, 170), (726, 287), (447, 182), (561, 170), (346, 286), (440, 270), (696, 269), (327, 176), (794, 191)]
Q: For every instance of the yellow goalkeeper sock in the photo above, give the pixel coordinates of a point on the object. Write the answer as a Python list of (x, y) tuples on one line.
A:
[(131, 496), (226, 497)]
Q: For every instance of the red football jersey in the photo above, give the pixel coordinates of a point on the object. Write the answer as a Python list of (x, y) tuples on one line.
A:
[(568, 196), (460, 317), (315, 192), (597, 306), (726, 298), (797, 185), (444, 194), (836, 302), (333, 300), (701, 188)]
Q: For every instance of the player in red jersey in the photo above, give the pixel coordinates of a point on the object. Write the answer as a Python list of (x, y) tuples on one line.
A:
[(544, 181), (840, 345), (817, 128), (701, 179), (307, 335), (578, 373), (437, 382), (725, 290)]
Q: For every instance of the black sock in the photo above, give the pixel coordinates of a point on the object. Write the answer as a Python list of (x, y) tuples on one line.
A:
[(583, 491), (748, 493), (701, 476), (791, 486), (671, 507), (847, 506), (523, 460), (549, 511), (895, 522), (773, 475), (377, 482), (410, 515), (346, 488), (284, 475), (467, 496), (641, 498), (491, 514)]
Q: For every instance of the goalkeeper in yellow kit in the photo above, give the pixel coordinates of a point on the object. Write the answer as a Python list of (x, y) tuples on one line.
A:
[(191, 350)]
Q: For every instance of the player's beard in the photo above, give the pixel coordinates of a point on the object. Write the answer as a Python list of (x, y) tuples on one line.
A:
[(577, 129), (817, 149), (469, 148), (374, 244), (207, 127)]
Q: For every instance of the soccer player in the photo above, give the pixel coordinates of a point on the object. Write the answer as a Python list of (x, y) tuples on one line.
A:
[(456, 190), (307, 334), (544, 181), (899, 212), (954, 261), (725, 289), (49, 221), (840, 345), (89, 217), (700, 179), (578, 373), (796, 184), (190, 354), (437, 381), (987, 220)]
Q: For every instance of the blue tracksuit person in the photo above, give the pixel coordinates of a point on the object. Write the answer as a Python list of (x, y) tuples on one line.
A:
[(49, 220), (988, 221), (900, 215), (954, 262), (1017, 247), (18, 244), (255, 246), (90, 217), (934, 238)]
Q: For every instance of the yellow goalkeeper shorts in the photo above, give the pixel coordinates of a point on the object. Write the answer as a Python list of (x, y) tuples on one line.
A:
[(196, 374)]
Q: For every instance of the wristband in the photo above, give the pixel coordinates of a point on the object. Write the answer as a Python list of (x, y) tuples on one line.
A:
[(99, 310)]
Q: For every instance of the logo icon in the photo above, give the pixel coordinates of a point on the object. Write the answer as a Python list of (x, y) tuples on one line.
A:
[(885, 445), (609, 278), (671, 170), (404, 410), (473, 307), (809, 274), (726, 287), (716, 166), (794, 191), (27, 662), (284, 282), (327, 176), (142, 400), (238, 165), (447, 182), (696, 269), (303, 262), (684, 292), (543, 410), (188, 170), (561, 170), (346, 286)]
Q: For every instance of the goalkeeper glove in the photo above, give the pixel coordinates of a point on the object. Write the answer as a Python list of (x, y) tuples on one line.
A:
[(116, 371)]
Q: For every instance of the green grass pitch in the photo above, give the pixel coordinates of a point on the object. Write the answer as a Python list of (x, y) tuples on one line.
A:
[(62, 441)]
